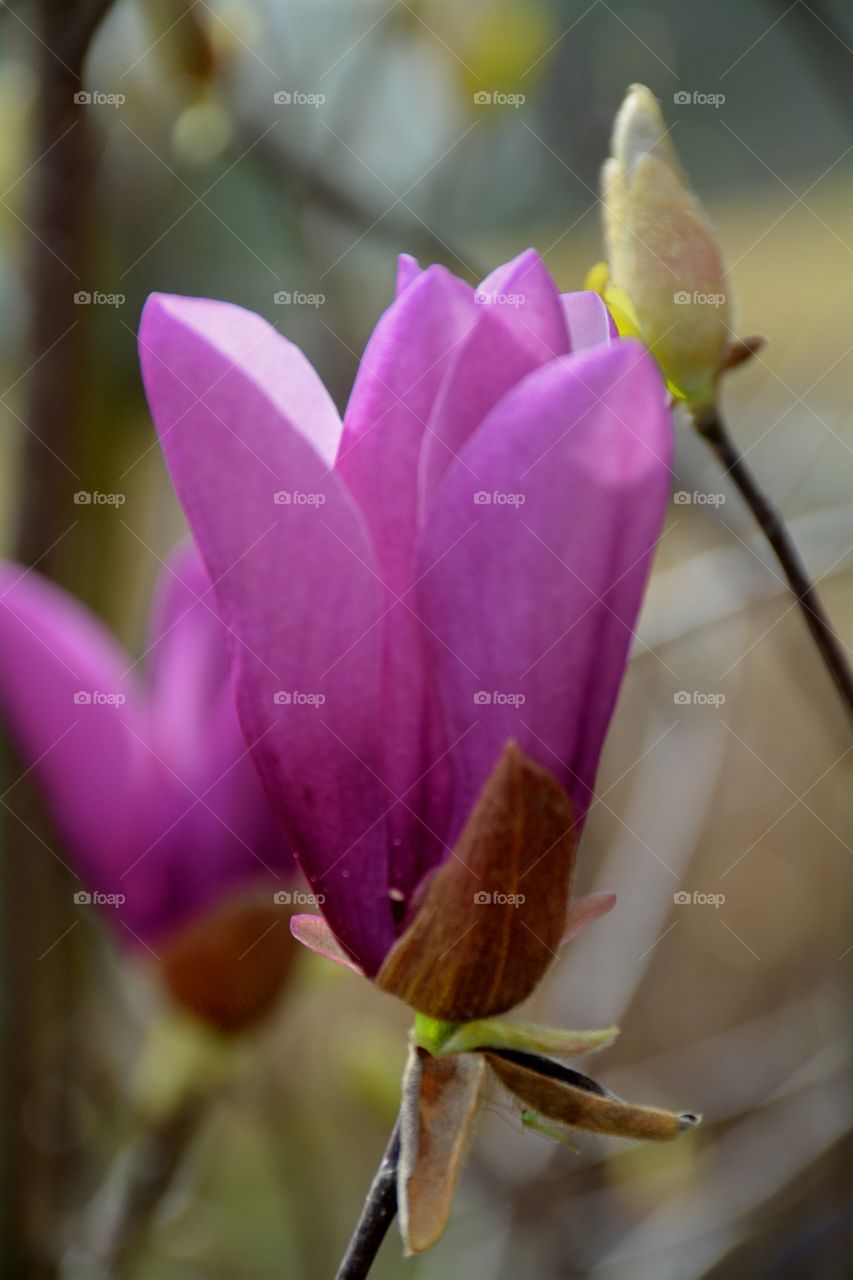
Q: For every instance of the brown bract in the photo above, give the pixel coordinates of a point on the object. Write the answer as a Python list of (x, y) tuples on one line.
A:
[(492, 917), (591, 1107), (440, 1103), (229, 967)]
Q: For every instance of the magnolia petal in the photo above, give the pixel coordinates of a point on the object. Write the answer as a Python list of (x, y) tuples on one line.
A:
[(585, 911), (315, 934), (488, 364), (530, 605), (408, 270), (439, 1106), (491, 917), (73, 710), (497, 1033), (401, 371), (585, 1107), (245, 423), (588, 319), (525, 290)]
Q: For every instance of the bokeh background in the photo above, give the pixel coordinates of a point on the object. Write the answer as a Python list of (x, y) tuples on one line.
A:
[(186, 173)]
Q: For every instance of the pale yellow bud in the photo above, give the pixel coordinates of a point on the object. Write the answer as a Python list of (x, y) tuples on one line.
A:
[(662, 252)]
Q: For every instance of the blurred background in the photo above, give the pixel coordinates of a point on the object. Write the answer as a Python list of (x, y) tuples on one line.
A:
[(279, 155)]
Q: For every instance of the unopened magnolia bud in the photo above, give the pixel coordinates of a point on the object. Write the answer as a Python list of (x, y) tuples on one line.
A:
[(662, 254)]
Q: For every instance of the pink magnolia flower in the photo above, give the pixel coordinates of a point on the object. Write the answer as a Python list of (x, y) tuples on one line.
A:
[(458, 563), (147, 777)]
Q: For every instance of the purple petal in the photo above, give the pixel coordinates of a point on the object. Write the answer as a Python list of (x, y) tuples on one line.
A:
[(588, 320), (196, 734), (524, 286), (488, 364), (242, 417), (61, 680), (532, 605), (408, 270), (401, 372)]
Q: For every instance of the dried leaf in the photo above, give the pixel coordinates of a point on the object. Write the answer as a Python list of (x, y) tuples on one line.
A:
[(560, 1094), (440, 1103), (492, 916)]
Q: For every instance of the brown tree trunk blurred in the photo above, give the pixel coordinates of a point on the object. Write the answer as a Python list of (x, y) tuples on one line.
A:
[(39, 987)]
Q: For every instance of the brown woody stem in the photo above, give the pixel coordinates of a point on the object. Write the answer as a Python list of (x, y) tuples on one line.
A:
[(377, 1215), (712, 428)]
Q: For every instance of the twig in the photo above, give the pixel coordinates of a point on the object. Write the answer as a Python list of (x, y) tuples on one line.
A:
[(124, 1208), (712, 429), (376, 1216)]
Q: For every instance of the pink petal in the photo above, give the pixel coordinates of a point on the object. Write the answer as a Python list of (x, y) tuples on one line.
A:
[(488, 364), (60, 665), (403, 367), (588, 320), (532, 606), (242, 417), (524, 287), (408, 270), (314, 933)]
